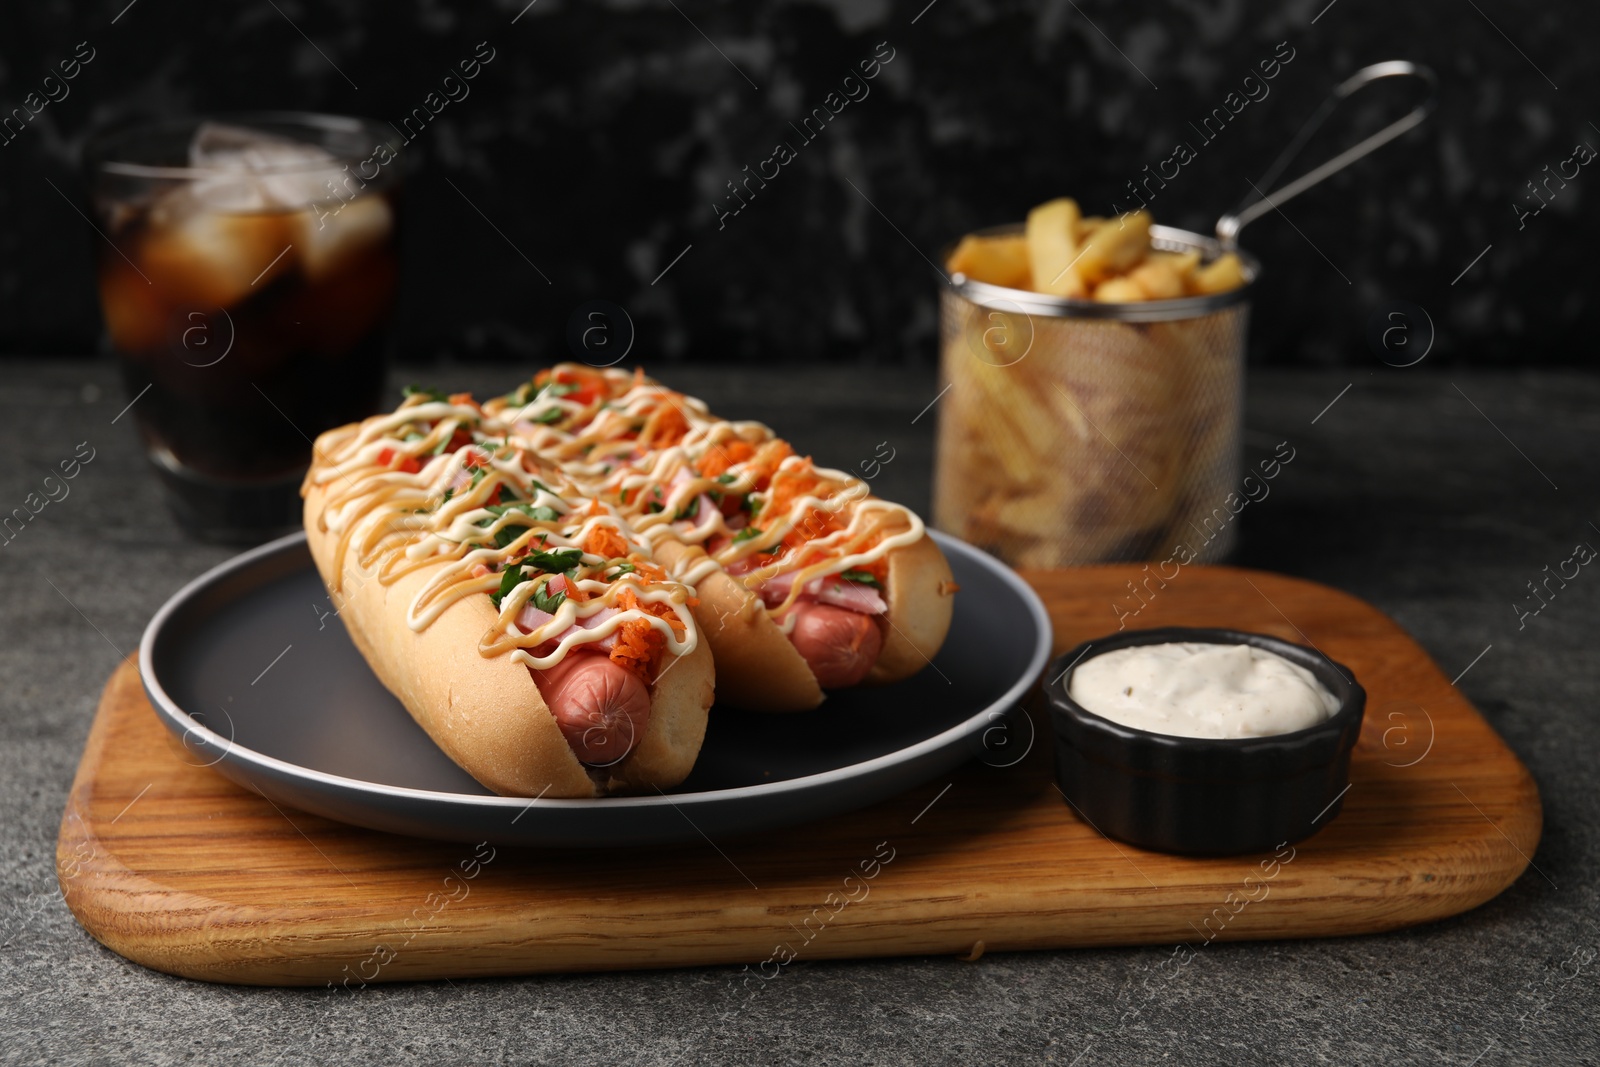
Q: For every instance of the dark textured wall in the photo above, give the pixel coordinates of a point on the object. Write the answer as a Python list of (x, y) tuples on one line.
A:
[(600, 139)]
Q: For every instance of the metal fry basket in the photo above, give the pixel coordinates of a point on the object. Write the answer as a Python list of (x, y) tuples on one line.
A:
[(1078, 432), (1072, 431)]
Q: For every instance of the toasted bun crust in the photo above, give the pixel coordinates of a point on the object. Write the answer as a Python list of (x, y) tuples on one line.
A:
[(757, 667), (921, 596), (486, 713)]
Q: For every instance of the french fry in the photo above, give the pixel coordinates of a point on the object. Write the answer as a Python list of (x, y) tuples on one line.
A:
[(1062, 253), (994, 260), (1115, 247), (1118, 291), (1184, 264), (1157, 279), (1225, 273), (1052, 248)]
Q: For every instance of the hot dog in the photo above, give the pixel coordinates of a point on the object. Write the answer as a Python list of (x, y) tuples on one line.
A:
[(766, 538), (600, 706), (521, 623), (840, 646)]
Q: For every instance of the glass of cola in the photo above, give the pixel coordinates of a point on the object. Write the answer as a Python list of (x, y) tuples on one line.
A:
[(246, 277)]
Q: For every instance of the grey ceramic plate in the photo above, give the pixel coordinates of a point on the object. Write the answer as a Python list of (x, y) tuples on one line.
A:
[(248, 666)]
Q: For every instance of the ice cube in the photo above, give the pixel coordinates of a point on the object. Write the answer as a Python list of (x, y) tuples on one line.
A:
[(273, 171), (135, 316), (223, 193), (330, 234), (210, 258)]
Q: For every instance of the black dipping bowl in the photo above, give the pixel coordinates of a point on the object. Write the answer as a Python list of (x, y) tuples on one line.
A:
[(1203, 796)]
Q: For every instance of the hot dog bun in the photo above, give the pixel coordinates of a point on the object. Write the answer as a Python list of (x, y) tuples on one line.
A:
[(921, 595), (487, 713)]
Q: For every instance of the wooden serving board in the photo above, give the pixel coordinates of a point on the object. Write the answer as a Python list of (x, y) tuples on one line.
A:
[(176, 868)]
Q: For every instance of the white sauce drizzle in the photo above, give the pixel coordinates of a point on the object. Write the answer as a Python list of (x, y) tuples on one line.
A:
[(396, 521), (607, 441)]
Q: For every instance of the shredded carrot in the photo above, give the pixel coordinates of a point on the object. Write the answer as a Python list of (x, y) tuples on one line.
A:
[(647, 572), (721, 457), (638, 648), (627, 601), (815, 523), (665, 428), (605, 542), (785, 491), (768, 458), (639, 644), (790, 485)]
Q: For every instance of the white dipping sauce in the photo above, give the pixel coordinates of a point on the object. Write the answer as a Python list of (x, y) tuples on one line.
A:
[(1202, 690)]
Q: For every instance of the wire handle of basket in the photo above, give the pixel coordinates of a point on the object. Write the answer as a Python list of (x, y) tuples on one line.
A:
[(1228, 226)]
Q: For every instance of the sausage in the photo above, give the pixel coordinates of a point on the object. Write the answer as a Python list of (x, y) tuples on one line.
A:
[(840, 646), (601, 707)]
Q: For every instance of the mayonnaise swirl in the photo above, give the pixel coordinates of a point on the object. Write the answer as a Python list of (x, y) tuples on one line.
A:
[(606, 446), (399, 497)]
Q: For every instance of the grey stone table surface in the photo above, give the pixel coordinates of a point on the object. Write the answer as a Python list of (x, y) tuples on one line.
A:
[(1436, 496)]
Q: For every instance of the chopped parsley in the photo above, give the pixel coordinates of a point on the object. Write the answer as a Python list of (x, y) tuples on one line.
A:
[(625, 568), (526, 394), (727, 479), (861, 578), (562, 560), (749, 533), (557, 562), (510, 578), (545, 600), (510, 532), (689, 512)]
